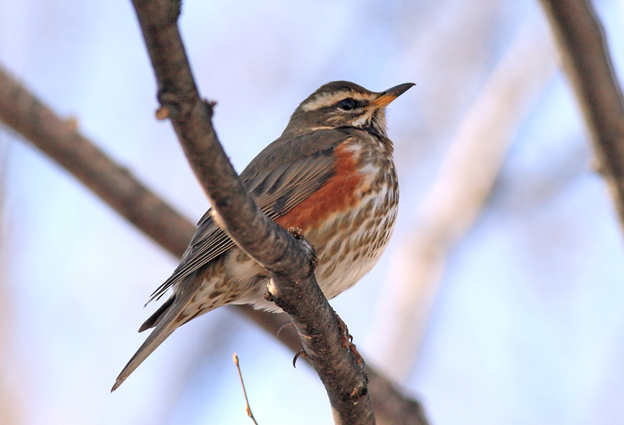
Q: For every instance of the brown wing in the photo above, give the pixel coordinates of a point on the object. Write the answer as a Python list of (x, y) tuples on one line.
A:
[(285, 173)]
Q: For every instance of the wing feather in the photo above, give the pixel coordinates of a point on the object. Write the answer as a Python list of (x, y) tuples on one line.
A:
[(279, 178)]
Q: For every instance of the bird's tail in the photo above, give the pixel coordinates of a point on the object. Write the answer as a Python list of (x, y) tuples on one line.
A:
[(168, 321)]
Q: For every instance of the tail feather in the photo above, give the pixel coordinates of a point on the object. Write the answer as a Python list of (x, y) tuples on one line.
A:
[(167, 321), (158, 315)]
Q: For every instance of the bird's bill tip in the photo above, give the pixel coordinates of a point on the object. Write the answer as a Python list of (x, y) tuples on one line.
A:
[(389, 95), (118, 382)]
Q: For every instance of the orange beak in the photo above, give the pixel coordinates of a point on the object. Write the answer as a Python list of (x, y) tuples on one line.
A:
[(389, 95)]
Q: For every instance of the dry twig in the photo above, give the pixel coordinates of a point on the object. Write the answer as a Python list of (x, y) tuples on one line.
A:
[(240, 375)]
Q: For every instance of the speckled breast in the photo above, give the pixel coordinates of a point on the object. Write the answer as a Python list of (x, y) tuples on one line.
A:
[(350, 220)]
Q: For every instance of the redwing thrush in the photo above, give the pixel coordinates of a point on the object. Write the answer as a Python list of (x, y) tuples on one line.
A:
[(329, 174)]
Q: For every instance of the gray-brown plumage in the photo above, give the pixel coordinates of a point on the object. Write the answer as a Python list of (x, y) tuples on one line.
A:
[(330, 174)]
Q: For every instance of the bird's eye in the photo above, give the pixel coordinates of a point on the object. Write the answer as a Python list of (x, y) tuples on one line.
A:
[(346, 104)]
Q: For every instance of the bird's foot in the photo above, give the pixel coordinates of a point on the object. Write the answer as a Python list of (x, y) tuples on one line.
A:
[(347, 341)]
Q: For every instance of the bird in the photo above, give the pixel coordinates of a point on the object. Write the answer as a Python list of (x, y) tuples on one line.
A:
[(330, 175)]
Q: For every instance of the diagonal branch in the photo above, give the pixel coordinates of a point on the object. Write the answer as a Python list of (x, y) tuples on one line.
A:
[(290, 262), (585, 55), (27, 115)]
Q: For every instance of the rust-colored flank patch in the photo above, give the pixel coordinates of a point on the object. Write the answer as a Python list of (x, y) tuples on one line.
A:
[(337, 195)]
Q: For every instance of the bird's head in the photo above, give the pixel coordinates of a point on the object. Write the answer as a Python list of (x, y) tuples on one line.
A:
[(340, 104)]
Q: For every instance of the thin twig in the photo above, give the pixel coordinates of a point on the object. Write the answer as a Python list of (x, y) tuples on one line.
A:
[(240, 375)]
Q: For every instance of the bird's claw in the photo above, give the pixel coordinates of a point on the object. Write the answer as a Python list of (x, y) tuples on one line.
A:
[(347, 341), (299, 354)]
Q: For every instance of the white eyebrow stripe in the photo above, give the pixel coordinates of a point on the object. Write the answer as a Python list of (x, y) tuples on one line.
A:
[(329, 99)]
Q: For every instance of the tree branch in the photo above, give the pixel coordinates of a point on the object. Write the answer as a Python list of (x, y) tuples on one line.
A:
[(290, 263), (585, 55), (60, 140)]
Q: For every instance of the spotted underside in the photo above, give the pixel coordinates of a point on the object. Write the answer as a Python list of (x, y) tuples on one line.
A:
[(329, 174), (359, 200)]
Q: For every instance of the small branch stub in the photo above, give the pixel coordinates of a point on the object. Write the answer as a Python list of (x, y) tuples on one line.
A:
[(162, 113), (297, 233), (72, 123), (272, 292)]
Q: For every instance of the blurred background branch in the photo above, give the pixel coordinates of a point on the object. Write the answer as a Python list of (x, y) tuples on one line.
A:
[(587, 62), (60, 140), (454, 202)]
